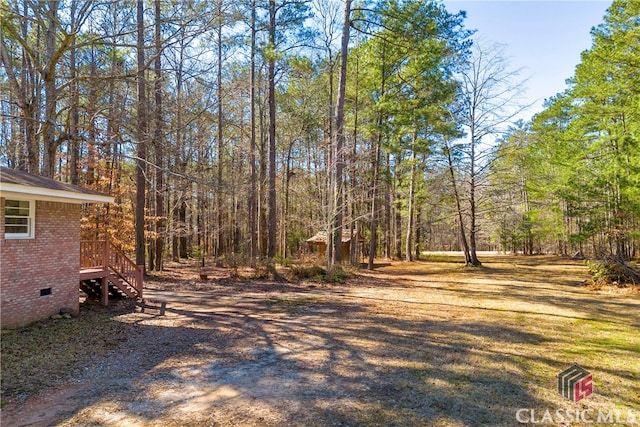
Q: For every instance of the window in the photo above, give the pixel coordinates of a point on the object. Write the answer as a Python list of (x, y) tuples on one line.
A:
[(18, 219)]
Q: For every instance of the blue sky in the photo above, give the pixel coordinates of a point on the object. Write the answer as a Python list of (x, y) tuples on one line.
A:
[(543, 37)]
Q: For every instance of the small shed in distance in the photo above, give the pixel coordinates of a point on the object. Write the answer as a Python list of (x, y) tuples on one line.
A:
[(318, 244)]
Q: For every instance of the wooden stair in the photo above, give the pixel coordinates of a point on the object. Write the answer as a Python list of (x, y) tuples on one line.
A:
[(105, 271), (117, 287)]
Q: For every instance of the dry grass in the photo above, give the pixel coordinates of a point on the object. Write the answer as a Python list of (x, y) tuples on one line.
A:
[(518, 321), (45, 353), (426, 343)]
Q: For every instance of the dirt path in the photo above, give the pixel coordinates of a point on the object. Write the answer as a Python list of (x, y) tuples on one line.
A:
[(411, 344)]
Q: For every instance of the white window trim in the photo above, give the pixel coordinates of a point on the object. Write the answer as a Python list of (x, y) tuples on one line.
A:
[(32, 221)]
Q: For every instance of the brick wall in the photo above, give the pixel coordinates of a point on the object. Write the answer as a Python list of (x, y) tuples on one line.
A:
[(1, 226), (50, 260)]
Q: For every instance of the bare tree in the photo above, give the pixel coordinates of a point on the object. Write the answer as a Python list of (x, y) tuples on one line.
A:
[(456, 195), (59, 39), (328, 11), (19, 83), (489, 99)]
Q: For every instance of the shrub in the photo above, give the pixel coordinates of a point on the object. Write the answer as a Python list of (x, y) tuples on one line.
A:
[(339, 276), (309, 272), (613, 271)]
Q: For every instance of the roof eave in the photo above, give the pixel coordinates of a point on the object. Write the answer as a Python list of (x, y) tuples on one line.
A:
[(40, 193)]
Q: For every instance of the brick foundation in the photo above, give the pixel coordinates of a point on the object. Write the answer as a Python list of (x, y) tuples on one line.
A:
[(29, 267)]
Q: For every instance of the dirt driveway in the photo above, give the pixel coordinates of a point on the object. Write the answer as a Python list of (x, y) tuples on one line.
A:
[(410, 344)]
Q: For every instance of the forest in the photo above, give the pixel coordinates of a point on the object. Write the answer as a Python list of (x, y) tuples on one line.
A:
[(238, 130)]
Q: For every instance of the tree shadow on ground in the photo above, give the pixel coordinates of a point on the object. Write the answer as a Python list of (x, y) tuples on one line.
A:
[(536, 285), (350, 355), (316, 365)]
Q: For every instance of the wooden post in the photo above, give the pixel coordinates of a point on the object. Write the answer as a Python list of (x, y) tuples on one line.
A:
[(105, 255), (104, 285), (139, 279)]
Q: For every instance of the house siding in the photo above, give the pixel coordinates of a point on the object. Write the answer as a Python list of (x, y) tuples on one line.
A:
[(50, 260)]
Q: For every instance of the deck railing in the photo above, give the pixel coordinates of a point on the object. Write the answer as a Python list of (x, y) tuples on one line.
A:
[(102, 254), (92, 254)]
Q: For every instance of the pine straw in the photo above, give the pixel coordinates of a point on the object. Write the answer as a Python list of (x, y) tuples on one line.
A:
[(46, 353)]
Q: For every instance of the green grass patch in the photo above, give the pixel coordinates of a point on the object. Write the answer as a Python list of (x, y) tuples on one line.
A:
[(606, 342), (291, 304)]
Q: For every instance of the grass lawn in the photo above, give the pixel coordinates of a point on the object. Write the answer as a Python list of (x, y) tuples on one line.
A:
[(500, 334), (426, 343)]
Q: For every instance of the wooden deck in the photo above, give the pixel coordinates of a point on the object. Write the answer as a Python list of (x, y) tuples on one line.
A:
[(91, 273), (101, 261)]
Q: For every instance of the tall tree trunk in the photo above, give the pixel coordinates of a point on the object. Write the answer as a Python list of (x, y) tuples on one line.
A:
[(74, 114), (273, 223), (374, 200), (50, 90), (412, 178), (285, 209), (183, 241), (331, 200), (463, 235), (92, 107), (473, 228), (355, 230), (141, 161), (387, 210), (114, 113), (418, 232), (376, 171), (29, 105), (262, 186), (528, 238), (395, 182), (253, 192), (397, 235), (179, 204), (151, 248), (219, 227), (339, 160), (159, 144)]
